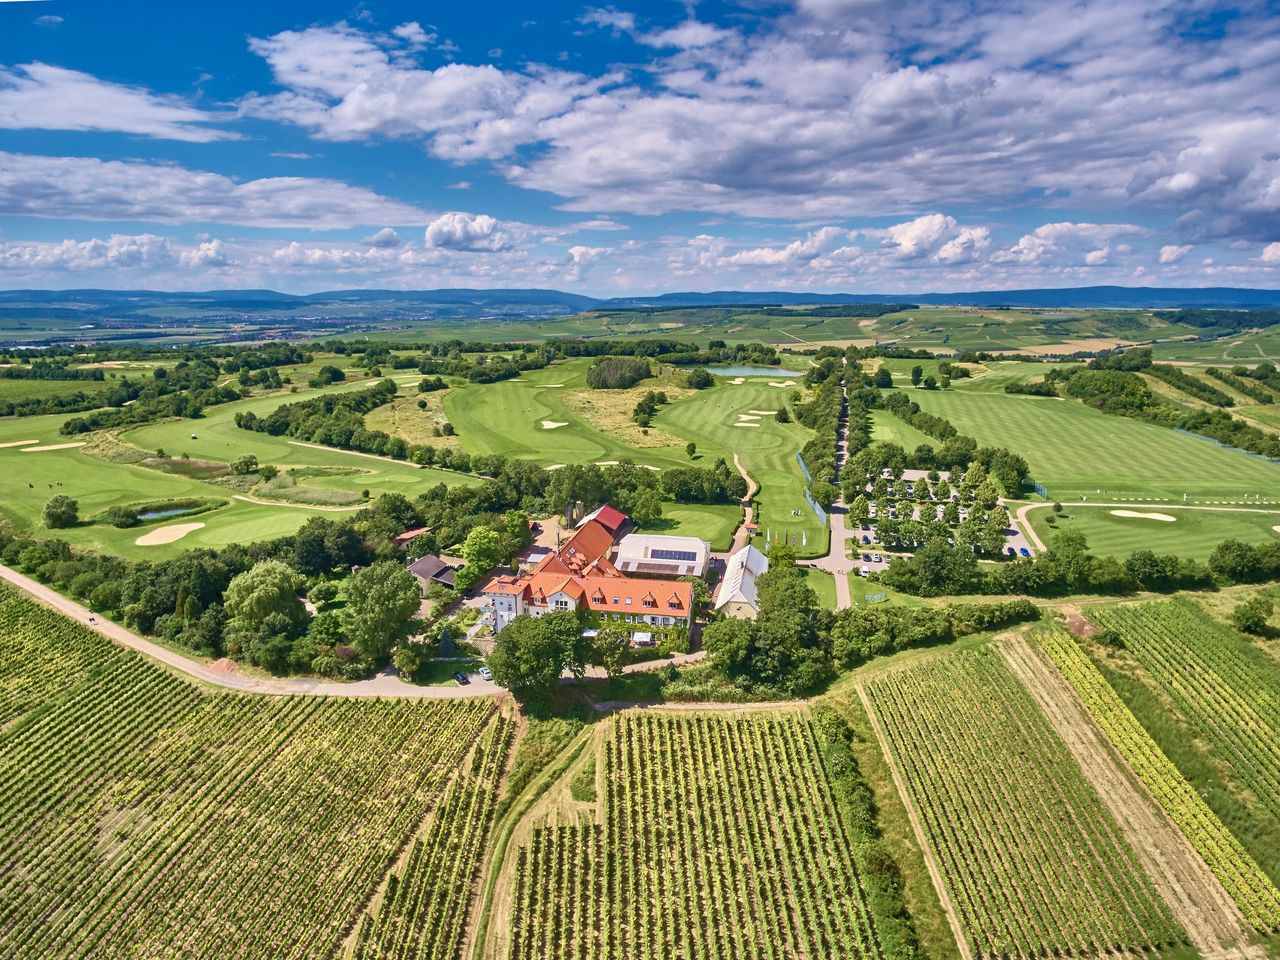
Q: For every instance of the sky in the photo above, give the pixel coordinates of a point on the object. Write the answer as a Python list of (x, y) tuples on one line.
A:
[(811, 145)]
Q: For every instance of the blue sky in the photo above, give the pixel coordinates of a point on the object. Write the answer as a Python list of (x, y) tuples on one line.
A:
[(811, 145)]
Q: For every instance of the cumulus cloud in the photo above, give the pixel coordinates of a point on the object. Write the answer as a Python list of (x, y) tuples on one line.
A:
[(386, 237), (1172, 252), (118, 252), (815, 244), (1271, 253), (42, 97), (465, 231), (966, 246), (83, 188), (1085, 241), (920, 236), (210, 253)]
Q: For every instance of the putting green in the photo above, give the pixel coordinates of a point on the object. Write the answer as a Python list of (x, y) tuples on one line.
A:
[(1193, 534)]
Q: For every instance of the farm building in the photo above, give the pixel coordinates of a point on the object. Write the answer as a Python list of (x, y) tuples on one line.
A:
[(661, 556), (431, 569), (737, 594), (611, 518)]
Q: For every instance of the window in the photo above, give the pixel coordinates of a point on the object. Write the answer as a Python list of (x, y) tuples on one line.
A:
[(615, 601), (649, 603), (628, 601), (687, 555), (562, 604)]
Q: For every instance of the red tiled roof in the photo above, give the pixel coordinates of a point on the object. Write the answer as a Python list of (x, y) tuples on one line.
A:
[(589, 544), (610, 518), (403, 538)]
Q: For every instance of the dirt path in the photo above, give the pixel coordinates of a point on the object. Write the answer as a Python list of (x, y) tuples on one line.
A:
[(1198, 901), (742, 535), (926, 851), (383, 685)]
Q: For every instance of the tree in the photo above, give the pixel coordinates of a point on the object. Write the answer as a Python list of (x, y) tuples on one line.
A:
[(482, 549), (824, 493), (859, 509), (930, 383), (646, 507), (782, 416), (381, 600), (610, 648), (1252, 615), (1236, 561), (1069, 554), (530, 653), (699, 379), (266, 588), (884, 379), (243, 465), (917, 374), (268, 471), (690, 448), (61, 512)]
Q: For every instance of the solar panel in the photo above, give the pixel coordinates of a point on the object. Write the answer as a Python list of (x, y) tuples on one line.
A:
[(686, 555)]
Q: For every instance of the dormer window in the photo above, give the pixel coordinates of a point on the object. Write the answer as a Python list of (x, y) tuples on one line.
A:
[(628, 601)]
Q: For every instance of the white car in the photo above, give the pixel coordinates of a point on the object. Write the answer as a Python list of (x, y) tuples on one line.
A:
[(875, 558), (486, 673), (865, 571)]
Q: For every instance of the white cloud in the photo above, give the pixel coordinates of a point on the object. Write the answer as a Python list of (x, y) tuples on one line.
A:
[(920, 236), (815, 244), (344, 84), (966, 246), (1096, 258), (210, 253), (117, 252), (386, 237), (689, 35), (80, 188), (1052, 241), (1271, 253), (609, 18), (465, 231), (37, 96), (1172, 253)]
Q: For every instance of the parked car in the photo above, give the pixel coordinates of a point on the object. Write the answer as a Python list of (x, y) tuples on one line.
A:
[(486, 673), (865, 571), (461, 678), (1025, 552), (866, 557), (866, 539), (875, 557), (1012, 552)]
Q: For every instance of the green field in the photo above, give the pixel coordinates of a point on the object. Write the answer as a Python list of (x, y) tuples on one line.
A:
[(146, 816), (28, 480), (507, 418), (1030, 857), (1246, 348), (1076, 451), (1194, 534), (886, 428)]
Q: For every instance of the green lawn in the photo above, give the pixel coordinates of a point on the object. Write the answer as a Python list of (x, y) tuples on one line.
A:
[(886, 428), (714, 523), (1194, 534), (28, 480), (1077, 451), (507, 418), (824, 585)]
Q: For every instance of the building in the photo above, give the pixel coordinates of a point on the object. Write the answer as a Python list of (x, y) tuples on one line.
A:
[(430, 570), (651, 555), (579, 576), (737, 594), (403, 539), (612, 519)]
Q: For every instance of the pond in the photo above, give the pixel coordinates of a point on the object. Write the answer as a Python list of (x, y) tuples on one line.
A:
[(171, 512), (775, 372)]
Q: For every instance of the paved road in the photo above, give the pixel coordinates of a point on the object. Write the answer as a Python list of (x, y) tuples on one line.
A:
[(837, 562), (385, 684), (742, 535)]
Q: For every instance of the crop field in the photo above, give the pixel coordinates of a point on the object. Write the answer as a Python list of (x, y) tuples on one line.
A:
[(1076, 451), (1227, 691), (1032, 862), (142, 816), (1246, 348), (1241, 877), (1193, 533), (719, 837)]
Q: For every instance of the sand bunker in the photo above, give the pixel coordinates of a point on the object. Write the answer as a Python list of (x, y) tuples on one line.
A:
[(782, 383), (18, 443), (606, 463), (163, 535), (553, 466), (659, 470), (748, 417), (738, 380), (552, 424), (1143, 516), (746, 424), (763, 413), (1276, 528), (553, 384), (55, 446)]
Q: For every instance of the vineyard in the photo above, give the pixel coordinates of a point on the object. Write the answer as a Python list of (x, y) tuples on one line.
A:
[(1240, 875), (141, 816), (1228, 692), (1031, 861), (720, 838)]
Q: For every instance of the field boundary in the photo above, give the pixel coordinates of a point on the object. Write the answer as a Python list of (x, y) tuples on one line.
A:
[(926, 849), (1200, 904)]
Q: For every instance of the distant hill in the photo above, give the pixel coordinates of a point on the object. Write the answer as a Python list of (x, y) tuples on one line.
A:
[(509, 301)]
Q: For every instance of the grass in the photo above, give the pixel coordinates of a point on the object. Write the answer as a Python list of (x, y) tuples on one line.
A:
[(1077, 451), (28, 480), (886, 428), (1194, 534), (824, 585), (714, 523), (506, 418)]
